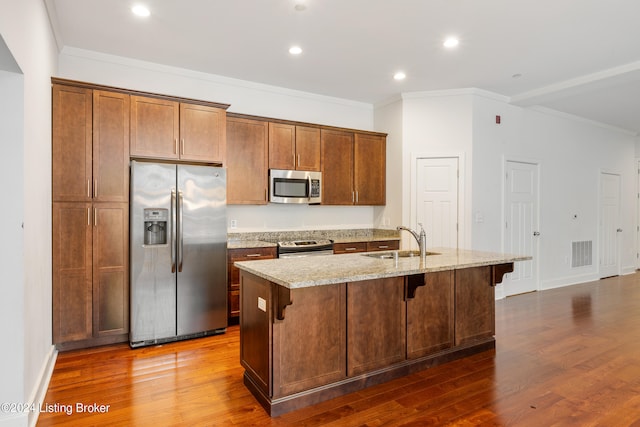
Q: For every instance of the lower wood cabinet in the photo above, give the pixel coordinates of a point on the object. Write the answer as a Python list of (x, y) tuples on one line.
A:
[(233, 280), (301, 346), (370, 246), (475, 304), (376, 324), (430, 314), (90, 273), (313, 355)]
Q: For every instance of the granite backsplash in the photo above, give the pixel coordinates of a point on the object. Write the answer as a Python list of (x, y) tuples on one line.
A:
[(363, 234)]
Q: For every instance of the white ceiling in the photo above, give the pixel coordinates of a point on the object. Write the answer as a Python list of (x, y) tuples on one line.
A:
[(581, 57)]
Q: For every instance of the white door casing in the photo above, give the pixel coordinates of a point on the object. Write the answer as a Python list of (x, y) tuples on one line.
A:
[(521, 237), (609, 241), (437, 193)]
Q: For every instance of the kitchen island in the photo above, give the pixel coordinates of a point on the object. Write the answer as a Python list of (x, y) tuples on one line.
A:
[(319, 327)]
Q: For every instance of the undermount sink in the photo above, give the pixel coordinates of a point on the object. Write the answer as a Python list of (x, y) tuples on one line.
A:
[(401, 254)]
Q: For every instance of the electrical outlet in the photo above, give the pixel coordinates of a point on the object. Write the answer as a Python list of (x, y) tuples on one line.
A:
[(234, 223)]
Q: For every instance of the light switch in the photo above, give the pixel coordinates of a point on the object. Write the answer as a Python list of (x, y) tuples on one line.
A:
[(262, 304)]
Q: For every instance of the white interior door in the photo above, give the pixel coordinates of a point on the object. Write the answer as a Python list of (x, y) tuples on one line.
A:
[(437, 200), (521, 225), (609, 224)]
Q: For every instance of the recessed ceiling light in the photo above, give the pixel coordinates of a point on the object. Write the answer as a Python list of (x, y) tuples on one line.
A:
[(140, 10), (399, 75), (295, 50), (451, 42)]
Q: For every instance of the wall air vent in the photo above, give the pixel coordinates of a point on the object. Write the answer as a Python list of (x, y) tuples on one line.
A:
[(581, 253)]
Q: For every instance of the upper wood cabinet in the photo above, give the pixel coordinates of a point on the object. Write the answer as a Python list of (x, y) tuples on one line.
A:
[(110, 146), (294, 147), (353, 168), (72, 149), (337, 167), (155, 128), (202, 133), (171, 130), (247, 161), (90, 145), (369, 169)]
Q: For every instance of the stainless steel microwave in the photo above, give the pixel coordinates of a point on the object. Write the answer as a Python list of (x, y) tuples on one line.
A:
[(290, 186)]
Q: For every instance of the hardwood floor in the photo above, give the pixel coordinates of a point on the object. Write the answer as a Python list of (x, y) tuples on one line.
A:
[(569, 356)]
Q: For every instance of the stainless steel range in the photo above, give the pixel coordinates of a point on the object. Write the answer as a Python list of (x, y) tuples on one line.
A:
[(303, 248)]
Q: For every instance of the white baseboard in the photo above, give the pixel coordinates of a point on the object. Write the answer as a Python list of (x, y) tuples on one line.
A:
[(40, 390), (29, 419), (14, 420), (567, 281)]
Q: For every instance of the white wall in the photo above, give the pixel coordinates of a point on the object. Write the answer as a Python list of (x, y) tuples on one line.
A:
[(246, 98), (12, 291), (437, 124), (388, 119), (571, 152), (26, 167)]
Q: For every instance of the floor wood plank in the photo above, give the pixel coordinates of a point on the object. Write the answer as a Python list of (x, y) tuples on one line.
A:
[(569, 356)]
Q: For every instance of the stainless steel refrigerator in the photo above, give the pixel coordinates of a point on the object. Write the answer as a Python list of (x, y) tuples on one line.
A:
[(178, 238)]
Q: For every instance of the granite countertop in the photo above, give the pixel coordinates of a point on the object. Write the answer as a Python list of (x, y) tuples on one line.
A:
[(352, 239), (249, 244), (320, 270), (269, 239)]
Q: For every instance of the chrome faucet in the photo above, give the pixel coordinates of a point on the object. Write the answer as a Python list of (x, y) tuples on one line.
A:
[(420, 238)]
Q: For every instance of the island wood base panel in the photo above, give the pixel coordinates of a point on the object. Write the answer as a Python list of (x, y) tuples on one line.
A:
[(277, 407), (306, 345)]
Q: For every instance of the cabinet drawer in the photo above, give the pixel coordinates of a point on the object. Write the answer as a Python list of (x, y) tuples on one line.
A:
[(233, 280), (249, 254), (383, 245), (347, 248)]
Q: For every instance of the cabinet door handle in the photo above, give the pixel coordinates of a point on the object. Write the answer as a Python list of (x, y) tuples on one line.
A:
[(357, 198), (182, 146), (175, 145), (89, 217), (350, 249), (252, 255), (383, 246), (298, 159), (88, 189), (95, 217), (95, 188)]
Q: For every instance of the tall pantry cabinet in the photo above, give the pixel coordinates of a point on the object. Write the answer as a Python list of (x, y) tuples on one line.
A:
[(90, 191)]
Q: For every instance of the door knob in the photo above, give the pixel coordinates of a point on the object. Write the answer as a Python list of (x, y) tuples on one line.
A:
[(536, 233)]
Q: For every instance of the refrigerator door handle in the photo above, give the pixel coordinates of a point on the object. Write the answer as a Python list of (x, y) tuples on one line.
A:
[(173, 230), (180, 231)]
